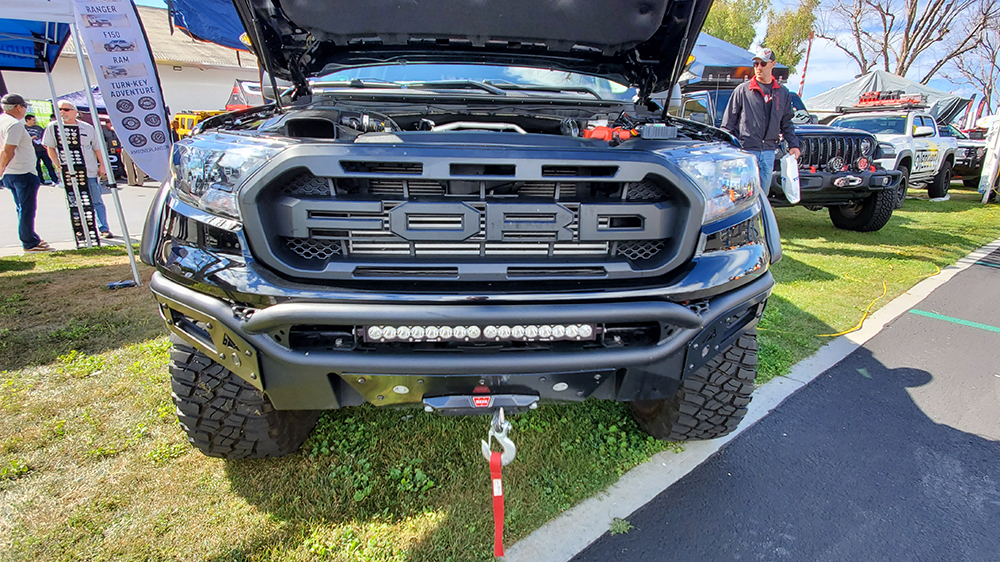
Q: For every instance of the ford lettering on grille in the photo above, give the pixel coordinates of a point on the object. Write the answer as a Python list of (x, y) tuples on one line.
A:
[(456, 221)]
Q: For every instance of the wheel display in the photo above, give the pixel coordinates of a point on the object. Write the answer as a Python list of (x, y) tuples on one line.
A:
[(904, 184), (224, 416), (710, 402), (942, 181), (867, 215)]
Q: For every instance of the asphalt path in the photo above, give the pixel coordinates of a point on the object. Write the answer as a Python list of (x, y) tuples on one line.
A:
[(891, 455), (52, 220)]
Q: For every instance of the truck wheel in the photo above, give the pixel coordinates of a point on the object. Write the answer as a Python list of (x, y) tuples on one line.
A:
[(904, 184), (710, 403), (224, 416), (867, 215), (942, 181)]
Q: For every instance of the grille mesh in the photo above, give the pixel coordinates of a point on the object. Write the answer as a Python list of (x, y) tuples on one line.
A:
[(307, 185), (639, 249), (311, 249), (644, 191)]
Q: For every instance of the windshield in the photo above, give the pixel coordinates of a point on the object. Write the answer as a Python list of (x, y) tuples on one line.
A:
[(949, 131), (503, 77), (887, 125)]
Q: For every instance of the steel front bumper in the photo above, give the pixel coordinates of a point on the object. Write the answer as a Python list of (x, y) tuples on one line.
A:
[(250, 343), (823, 188)]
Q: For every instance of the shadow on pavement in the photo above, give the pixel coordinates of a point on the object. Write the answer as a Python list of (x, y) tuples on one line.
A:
[(849, 468)]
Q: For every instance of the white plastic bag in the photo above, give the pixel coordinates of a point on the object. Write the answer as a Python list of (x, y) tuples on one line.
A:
[(790, 178)]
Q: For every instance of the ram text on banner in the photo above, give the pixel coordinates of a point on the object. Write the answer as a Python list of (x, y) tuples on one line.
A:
[(119, 52)]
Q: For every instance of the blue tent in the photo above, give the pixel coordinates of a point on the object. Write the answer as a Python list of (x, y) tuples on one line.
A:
[(27, 45), (215, 21)]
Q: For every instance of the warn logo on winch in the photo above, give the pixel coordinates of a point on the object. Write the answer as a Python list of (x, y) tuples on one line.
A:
[(481, 401)]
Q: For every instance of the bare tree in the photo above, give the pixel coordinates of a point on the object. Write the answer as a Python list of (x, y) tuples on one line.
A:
[(980, 67), (896, 34)]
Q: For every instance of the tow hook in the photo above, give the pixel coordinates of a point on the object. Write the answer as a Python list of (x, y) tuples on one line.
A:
[(498, 430)]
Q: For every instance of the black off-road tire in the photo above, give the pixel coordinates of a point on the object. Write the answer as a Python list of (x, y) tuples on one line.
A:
[(710, 402), (224, 416), (942, 181), (904, 184), (867, 215)]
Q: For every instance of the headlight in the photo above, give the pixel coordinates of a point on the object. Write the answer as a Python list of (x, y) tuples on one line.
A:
[(728, 178), (888, 151), (980, 152), (866, 147), (207, 170)]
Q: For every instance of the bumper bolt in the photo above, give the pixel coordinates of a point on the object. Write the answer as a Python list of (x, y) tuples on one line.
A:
[(209, 325), (253, 376), (361, 380), (421, 381), (428, 409), (380, 397), (222, 356), (248, 353), (597, 377)]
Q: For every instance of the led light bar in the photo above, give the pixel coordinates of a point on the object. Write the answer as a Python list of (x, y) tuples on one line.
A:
[(525, 332)]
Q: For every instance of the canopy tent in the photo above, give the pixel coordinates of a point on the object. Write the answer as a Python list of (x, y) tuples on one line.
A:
[(32, 35), (79, 99), (942, 105), (208, 20), (718, 61), (27, 45)]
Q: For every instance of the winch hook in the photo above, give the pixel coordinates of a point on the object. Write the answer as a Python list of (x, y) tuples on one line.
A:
[(498, 430)]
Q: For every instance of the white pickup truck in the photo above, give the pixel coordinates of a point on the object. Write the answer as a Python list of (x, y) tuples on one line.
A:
[(911, 143)]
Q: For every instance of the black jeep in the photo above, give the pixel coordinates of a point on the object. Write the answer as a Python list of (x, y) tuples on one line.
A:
[(836, 169), (460, 212)]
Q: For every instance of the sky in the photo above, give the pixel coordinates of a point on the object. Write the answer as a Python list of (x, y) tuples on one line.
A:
[(828, 68)]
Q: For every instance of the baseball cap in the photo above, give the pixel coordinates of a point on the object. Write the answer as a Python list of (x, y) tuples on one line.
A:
[(13, 99), (764, 54)]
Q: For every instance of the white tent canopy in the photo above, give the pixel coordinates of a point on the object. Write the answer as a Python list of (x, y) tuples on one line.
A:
[(942, 105)]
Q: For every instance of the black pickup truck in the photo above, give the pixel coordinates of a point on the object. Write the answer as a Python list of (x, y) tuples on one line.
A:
[(460, 213)]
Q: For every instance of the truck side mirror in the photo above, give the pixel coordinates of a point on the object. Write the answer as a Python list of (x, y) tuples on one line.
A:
[(923, 131)]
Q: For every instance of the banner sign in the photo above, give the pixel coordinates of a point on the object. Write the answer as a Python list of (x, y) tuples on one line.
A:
[(120, 54)]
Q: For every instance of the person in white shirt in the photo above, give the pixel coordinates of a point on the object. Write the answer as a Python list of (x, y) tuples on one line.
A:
[(91, 159), (17, 170)]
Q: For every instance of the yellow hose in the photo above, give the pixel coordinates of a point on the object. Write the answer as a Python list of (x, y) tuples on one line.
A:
[(885, 291)]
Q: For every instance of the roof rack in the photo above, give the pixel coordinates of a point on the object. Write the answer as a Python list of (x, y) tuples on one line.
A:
[(888, 100)]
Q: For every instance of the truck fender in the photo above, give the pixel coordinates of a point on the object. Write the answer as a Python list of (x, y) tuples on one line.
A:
[(153, 226), (771, 234)]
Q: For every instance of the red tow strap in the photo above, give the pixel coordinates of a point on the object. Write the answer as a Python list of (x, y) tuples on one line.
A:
[(497, 504)]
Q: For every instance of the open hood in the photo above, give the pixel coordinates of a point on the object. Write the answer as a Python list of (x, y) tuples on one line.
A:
[(642, 43)]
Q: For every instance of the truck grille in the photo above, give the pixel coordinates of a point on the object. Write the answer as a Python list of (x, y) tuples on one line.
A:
[(829, 151), (391, 219)]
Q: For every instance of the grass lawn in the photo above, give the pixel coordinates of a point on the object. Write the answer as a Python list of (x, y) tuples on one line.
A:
[(94, 466)]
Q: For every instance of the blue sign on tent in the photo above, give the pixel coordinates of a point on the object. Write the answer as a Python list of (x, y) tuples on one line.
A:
[(215, 21), (27, 45)]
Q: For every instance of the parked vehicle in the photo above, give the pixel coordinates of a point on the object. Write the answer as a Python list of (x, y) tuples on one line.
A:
[(837, 167), (119, 45), (911, 143), (968, 157), (496, 224)]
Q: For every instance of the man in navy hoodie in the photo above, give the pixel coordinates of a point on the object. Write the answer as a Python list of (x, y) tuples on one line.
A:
[(758, 111)]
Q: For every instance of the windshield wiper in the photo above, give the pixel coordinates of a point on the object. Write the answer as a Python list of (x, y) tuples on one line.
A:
[(456, 84), (539, 88), (359, 83)]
